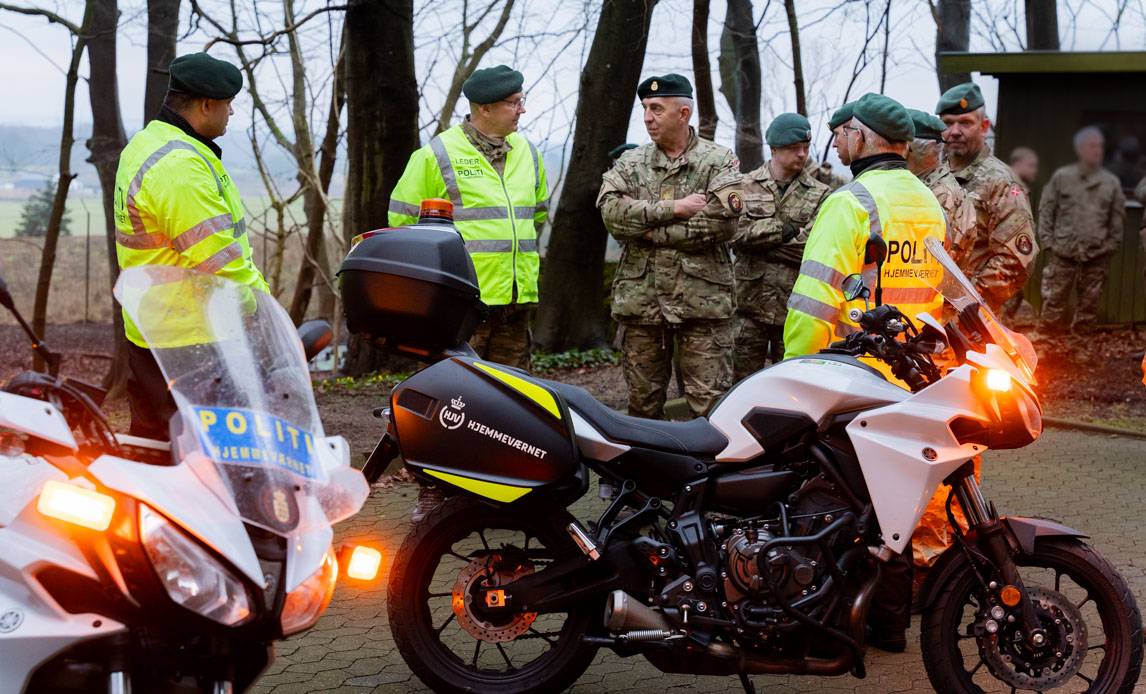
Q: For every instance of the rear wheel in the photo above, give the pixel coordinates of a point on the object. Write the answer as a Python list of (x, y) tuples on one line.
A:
[(1092, 624), (438, 608)]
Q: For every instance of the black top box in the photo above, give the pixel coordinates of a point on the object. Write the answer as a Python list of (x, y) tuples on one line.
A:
[(412, 290)]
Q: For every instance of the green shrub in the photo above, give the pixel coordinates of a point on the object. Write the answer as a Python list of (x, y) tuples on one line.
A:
[(574, 359)]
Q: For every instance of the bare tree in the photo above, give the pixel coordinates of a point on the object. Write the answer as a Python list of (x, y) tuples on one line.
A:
[(740, 81), (162, 27), (702, 70), (953, 33), (572, 286), (471, 56), (797, 62), (381, 125), (1042, 25), (64, 172)]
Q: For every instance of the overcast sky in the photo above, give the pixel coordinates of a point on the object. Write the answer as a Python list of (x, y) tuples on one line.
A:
[(33, 54)]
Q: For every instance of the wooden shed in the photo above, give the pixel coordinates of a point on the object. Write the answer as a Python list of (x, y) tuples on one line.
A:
[(1045, 97)]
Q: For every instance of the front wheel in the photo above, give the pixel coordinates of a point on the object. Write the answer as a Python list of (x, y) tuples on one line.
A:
[(1092, 623), (438, 591)]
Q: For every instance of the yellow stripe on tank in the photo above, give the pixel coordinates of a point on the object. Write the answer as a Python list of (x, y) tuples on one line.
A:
[(530, 390), (505, 493)]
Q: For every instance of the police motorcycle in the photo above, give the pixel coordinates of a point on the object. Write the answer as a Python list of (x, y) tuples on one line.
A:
[(127, 563), (749, 542)]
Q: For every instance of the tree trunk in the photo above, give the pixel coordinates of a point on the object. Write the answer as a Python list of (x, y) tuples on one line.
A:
[(106, 142), (702, 70), (381, 125), (953, 34), (1042, 25), (797, 62), (59, 202), (572, 314), (162, 28), (740, 81)]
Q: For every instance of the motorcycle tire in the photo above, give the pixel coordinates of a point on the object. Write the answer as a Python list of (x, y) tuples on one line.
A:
[(1121, 623), (418, 564)]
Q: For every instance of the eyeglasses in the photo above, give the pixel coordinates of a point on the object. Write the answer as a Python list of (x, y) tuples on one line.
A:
[(516, 103)]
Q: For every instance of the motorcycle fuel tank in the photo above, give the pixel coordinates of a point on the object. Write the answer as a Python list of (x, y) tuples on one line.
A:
[(814, 387), (483, 427)]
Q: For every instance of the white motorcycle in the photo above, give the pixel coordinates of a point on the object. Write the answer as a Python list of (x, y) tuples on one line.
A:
[(131, 563), (753, 541)]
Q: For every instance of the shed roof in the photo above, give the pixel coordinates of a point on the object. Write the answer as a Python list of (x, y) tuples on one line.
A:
[(1043, 62)]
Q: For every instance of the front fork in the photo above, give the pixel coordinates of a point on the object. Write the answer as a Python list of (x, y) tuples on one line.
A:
[(991, 537), (119, 682)]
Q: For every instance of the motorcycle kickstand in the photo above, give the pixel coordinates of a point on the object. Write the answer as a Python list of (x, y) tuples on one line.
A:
[(749, 688)]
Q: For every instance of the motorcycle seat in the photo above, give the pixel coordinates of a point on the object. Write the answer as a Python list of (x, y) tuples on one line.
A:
[(696, 437)]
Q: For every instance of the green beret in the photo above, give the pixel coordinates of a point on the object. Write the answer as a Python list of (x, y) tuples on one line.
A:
[(842, 115), (927, 126), (671, 84), (962, 98), (885, 116), (492, 84), (788, 129), (198, 74), (617, 151)]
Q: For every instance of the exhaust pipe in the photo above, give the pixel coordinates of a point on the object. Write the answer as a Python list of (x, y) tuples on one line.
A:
[(624, 613)]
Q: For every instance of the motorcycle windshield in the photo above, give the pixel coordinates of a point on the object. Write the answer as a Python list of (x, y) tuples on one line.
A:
[(960, 293), (235, 366)]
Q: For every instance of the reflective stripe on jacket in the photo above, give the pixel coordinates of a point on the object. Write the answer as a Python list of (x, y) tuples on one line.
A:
[(176, 205), (892, 203), (498, 216)]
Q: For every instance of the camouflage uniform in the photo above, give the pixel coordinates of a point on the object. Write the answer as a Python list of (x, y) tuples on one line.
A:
[(1080, 223), (1140, 193), (769, 244), (823, 173), (674, 280), (957, 206), (998, 254)]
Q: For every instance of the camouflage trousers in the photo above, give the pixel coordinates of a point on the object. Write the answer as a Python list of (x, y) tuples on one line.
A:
[(504, 337), (757, 345), (705, 351), (1060, 275)]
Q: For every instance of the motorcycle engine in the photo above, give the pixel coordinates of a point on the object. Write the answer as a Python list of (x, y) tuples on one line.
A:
[(790, 571)]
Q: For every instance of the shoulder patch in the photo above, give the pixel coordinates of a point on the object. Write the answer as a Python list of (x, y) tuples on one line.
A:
[(1024, 244), (735, 203)]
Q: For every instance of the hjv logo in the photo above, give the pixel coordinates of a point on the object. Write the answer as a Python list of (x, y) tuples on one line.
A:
[(452, 417)]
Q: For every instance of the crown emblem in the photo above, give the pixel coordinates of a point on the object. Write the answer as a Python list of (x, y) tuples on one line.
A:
[(963, 103), (457, 403), (654, 86)]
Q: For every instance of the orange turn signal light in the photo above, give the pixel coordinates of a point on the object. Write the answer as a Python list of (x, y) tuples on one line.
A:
[(364, 563), (998, 380), (1010, 596), (77, 505)]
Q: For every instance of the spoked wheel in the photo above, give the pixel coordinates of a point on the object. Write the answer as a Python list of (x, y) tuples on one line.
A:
[(1093, 630), (444, 611)]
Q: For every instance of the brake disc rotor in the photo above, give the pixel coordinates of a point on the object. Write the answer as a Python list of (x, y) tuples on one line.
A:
[(1023, 666), (468, 589)]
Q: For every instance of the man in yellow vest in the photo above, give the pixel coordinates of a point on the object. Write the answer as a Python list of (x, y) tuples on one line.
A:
[(176, 205), (496, 180), (885, 199)]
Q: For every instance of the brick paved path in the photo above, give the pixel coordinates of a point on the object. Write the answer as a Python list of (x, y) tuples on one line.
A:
[(1094, 483)]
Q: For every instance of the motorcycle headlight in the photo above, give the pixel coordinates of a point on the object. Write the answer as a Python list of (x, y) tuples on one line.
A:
[(192, 577), (304, 605)]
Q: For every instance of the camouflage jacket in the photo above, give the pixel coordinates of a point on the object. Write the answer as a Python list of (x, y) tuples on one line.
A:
[(958, 208), (490, 148), (672, 270), (997, 256), (823, 173), (1081, 216), (769, 241)]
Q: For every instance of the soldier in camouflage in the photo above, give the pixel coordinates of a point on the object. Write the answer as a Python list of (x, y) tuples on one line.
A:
[(998, 254), (673, 204), (1081, 213), (924, 159), (781, 199)]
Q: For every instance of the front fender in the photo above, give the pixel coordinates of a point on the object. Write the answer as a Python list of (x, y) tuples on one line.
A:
[(1023, 532)]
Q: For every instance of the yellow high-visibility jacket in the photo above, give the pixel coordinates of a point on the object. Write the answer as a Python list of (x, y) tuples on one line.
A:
[(176, 205), (892, 203), (497, 215)]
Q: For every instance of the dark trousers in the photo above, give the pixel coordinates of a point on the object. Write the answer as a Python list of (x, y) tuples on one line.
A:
[(147, 395), (890, 613)]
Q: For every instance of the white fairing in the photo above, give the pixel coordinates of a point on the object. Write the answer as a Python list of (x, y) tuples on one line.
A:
[(593, 443), (813, 387), (36, 418)]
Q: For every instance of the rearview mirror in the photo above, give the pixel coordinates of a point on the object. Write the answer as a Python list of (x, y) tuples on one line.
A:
[(5, 296), (875, 251), (854, 288), (315, 336)]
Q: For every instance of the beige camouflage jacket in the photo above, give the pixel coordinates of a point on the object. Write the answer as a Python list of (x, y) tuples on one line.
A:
[(1081, 216), (672, 270), (998, 255), (957, 206), (769, 242)]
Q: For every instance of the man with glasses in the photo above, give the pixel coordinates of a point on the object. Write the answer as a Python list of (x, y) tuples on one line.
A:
[(495, 179)]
